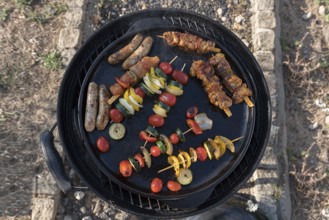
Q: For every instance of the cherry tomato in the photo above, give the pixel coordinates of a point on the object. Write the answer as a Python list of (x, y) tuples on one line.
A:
[(140, 159), (180, 76), (191, 112), (155, 151), (115, 115), (145, 137), (156, 185), (201, 153), (195, 127), (174, 186), (165, 67), (174, 138), (156, 120), (103, 144), (122, 83), (140, 92), (125, 168), (168, 98)]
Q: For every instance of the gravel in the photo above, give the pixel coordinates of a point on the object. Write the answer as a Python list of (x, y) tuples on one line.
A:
[(234, 14)]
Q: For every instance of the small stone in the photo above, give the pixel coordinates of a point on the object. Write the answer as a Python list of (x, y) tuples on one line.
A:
[(322, 10), (235, 2), (87, 218), (307, 16), (103, 215), (223, 19), (83, 210), (326, 120), (79, 195), (325, 34), (239, 19), (121, 215), (245, 42), (325, 212), (67, 217), (313, 126), (220, 12), (251, 207), (97, 207)]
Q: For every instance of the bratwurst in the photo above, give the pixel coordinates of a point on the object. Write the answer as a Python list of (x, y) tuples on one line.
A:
[(138, 54), (91, 107), (123, 53), (103, 108)]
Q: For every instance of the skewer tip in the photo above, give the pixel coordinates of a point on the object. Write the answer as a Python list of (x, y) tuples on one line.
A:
[(248, 101), (214, 49), (227, 112)]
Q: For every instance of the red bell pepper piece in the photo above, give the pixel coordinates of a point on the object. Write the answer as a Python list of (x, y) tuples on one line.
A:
[(145, 137), (122, 83), (195, 127)]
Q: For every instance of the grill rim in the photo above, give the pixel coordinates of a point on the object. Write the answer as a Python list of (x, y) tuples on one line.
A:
[(87, 49)]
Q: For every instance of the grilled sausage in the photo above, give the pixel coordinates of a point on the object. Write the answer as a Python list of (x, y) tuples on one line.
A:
[(126, 51), (91, 107), (138, 54), (103, 108)]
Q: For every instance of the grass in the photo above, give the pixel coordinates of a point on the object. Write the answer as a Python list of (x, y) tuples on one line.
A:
[(4, 13), (277, 192), (52, 61), (24, 2), (45, 13), (7, 77)]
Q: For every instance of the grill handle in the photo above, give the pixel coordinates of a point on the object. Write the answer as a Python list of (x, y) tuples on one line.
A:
[(54, 160)]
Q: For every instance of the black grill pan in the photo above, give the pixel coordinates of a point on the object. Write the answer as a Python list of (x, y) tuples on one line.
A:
[(127, 194), (206, 174)]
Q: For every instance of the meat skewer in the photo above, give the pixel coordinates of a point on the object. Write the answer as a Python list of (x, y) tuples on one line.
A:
[(189, 42), (205, 72), (132, 76), (232, 82)]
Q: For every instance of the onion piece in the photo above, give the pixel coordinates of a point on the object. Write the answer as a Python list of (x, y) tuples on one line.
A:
[(203, 121), (125, 104)]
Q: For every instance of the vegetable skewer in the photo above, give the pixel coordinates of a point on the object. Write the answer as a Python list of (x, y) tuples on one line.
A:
[(192, 157)]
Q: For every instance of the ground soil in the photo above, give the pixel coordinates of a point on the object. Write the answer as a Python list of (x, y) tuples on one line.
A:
[(29, 96), (305, 69)]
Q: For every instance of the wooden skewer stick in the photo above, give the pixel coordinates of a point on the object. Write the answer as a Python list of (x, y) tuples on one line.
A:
[(227, 112), (183, 67), (173, 60), (112, 99), (171, 166), (187, 131), (161, 36), (248, 101), (214, 49)]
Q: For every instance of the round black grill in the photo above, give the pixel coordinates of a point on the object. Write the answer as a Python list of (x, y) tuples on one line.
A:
[(74, 143)]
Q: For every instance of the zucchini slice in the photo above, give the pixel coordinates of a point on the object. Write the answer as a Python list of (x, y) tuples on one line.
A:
[(169, 146), (162, 146), (151, 131), (147, 157), (134, 164), (209, 149), (180, 135)]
